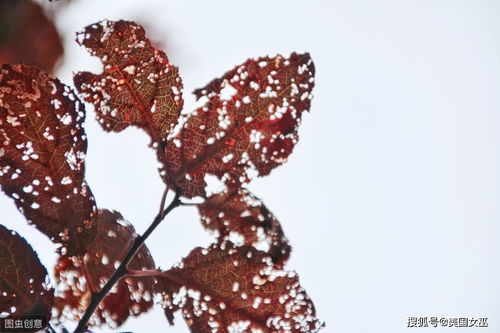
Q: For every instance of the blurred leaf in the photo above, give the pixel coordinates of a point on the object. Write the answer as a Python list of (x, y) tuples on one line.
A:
[(24, 283), (129, 296), (243, 219), (28, 36)]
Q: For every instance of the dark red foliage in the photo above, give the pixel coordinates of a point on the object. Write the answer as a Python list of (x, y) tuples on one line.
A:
[(229, 289), (246, 127), (24, 284), (243, 219), (138, 86), (28, 36), (42, 153), (78, 276)]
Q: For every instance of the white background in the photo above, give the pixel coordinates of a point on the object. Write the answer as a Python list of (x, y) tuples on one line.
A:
[(390, 199)]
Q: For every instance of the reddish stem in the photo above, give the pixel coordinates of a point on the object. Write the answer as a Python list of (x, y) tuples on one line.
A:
[(86, 274), (162, 203)]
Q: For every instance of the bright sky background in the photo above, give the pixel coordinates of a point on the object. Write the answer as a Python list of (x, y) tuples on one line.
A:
[(391, 199)]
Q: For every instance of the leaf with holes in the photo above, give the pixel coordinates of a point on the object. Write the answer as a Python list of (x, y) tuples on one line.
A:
[(24, 285), (228, 289), (42, 150), (28, 36), (243, 219), (247, 125), (138, 86), (77, 277)]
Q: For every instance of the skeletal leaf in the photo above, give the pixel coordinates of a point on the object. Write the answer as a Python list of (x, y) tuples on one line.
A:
[(42, 153), (138, 85), (77, 277), (246, 127), (24, 283), (243, 219), (228, 289)]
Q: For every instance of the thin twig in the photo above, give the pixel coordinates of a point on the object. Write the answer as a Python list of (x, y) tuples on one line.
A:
[(152, 272), (162, 203), (86, 274), (121, 271)]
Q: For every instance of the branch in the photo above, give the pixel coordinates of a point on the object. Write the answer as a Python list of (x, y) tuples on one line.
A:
[(154, 272), (121, 271)]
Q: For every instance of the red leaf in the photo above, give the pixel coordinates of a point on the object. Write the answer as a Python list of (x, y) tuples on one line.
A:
[(138, 87), (24, 282), (243, 219), (28, 36), (42, 150), (76, 281), (227, 289), (247, 125)]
